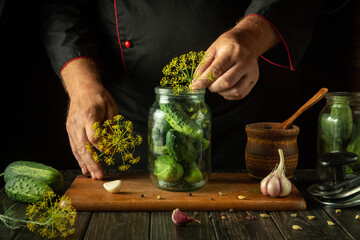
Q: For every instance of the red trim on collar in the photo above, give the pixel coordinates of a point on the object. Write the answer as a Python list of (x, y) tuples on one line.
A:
[(118, 35), (73, 60), (282, 39)]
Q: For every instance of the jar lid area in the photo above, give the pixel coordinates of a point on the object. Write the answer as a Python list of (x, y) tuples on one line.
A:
[(350, 96), (169, 91)]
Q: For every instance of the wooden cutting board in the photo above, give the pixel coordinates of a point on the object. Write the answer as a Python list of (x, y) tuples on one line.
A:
[(89, 195)]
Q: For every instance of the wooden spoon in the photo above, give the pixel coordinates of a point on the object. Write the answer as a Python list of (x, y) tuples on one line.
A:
[(317, 97)]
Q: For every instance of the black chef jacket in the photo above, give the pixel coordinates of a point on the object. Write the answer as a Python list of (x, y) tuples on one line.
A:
[(158, 30)]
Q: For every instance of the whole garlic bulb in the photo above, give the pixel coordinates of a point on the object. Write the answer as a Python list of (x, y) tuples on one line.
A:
[(276, 184)]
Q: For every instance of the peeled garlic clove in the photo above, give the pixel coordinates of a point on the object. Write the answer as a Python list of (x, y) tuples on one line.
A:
[(113, 186), (180, 218)]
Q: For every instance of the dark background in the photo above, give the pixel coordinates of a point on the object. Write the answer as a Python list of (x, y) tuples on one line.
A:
[(34, 102)]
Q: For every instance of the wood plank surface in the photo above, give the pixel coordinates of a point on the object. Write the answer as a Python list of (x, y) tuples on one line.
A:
[(244, 225), (224, 224), (162, 227), (118, 225), (89, 195)]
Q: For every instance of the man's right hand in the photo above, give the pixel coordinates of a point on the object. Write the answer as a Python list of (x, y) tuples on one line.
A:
[(90, 102)]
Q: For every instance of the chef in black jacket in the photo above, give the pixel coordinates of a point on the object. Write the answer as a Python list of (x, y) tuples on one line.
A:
[(110, 54)]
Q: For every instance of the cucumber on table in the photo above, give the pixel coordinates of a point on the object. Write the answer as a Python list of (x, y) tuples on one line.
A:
[(26, 189), (34, 170)]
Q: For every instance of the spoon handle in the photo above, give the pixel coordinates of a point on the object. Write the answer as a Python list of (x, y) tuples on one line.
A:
[(317, 97)]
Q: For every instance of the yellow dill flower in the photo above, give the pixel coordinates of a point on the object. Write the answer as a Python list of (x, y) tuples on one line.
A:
[(51, 217), (117, 138), (95, 126), (179, 73)]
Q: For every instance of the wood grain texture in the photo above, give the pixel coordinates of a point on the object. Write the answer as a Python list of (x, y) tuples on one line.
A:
[(235, 225), (118, 225), (162, 227), (89, 195)]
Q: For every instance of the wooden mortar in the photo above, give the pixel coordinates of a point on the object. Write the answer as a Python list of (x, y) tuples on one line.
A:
[(263, 142)]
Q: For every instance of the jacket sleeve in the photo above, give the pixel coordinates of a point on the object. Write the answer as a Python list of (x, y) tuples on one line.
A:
[(66, 32), (293, 21)]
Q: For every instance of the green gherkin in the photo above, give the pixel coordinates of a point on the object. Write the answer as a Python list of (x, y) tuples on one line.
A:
[(354, 145), (180, 121), (336, 128), (180, 147), (159, 130), (166, 169), (26, 189), (192, 173)]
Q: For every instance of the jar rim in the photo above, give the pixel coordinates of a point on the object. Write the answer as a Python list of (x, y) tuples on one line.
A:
[(169, 91), (350, 96)]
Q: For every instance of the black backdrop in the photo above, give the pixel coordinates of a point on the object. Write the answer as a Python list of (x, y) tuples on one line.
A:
[(34, 102)]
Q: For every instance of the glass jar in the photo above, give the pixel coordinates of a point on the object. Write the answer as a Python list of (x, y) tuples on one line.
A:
[(339, 129), (179, 132)]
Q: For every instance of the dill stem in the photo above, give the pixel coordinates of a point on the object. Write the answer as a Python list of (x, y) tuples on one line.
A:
[(23, 221)]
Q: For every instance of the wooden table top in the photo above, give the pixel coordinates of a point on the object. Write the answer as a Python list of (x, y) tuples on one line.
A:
[(214, 225)]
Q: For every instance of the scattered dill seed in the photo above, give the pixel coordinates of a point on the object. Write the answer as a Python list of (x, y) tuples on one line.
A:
[(330, 223), (296, 227), (221, 194), (338, 211), (264, 215), (310, 217), (357, 217), (293, 215), (241, 197), (158, 197)]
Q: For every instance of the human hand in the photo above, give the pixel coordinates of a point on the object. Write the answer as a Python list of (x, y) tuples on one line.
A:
[(87, 107), (230, 67), (90, 102)]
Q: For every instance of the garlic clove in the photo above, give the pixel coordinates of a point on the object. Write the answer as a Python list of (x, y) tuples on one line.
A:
[(273, 187), (113, 186), (285, 187), (180, 218), (263, 185)]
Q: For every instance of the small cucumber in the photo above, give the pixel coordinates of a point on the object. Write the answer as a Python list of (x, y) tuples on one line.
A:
[(180, 121), (38, 171), (26, 189), (180, 147)]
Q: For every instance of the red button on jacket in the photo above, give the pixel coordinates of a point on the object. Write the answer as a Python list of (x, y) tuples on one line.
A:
[(127, 44)]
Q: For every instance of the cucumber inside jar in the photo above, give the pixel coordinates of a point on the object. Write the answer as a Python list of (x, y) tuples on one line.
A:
[(180, 144)]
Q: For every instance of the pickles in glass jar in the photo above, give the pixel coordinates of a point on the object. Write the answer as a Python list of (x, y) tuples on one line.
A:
[(179, 140), (339, 129)]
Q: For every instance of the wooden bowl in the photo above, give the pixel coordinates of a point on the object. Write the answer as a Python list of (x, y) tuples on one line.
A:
[(261, 152)]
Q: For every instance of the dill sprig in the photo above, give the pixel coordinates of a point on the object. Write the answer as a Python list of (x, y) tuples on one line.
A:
[(116, 136), (179, 73), (51, 217)]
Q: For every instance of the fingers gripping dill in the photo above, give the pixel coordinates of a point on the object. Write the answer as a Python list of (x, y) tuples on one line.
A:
[(51, 217), (116, 136), (179, 73)]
